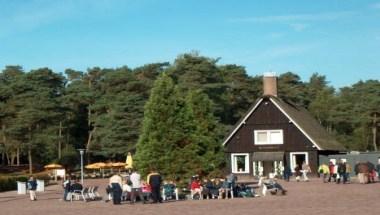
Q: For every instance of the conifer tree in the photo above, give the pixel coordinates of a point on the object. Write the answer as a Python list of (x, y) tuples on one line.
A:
[(154, 148)]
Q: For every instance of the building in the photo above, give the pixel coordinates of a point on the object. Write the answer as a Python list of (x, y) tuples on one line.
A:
[(275, 134)]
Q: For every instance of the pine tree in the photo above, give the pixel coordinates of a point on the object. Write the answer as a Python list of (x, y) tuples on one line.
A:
[(154, 147)]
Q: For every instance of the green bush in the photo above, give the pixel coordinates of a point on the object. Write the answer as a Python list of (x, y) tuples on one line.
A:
[(10, 182)]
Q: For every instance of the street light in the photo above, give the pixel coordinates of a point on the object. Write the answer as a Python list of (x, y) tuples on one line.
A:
[(81, 151)]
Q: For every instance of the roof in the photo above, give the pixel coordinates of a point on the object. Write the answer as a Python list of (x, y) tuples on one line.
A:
[(302, 119)]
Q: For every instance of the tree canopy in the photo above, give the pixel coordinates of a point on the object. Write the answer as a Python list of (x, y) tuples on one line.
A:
[(181, 110)]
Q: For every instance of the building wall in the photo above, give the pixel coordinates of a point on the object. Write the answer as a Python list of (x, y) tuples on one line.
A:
[(268, 117)]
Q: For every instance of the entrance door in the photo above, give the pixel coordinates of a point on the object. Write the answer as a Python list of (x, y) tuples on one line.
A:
[(297, 158), (300, 158), (268, 167)]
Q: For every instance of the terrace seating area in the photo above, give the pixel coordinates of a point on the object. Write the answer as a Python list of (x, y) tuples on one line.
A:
[(85, 194)]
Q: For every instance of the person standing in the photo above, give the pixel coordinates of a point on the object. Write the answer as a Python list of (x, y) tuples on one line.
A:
[(332, 172), (305, 171), (287, 173), (32, 187), (348, 172), (116, 184), (155, 180), (66, 188), (136, 187), (378, 169), (297, 172), (342, 172), (323, 171), (231, 179)]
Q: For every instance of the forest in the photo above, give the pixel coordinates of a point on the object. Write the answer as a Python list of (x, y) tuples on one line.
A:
[(164, 113)]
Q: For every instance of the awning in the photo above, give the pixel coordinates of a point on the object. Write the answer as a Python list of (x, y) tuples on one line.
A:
[(268, 156)]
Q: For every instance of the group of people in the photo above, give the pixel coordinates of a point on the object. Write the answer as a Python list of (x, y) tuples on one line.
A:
[(132, 186), (332, 172), (211, 188), (300, 171), (366, 172), (219, 188)]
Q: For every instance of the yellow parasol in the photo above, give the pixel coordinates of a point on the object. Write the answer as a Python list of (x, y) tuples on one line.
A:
[(99, 165), (129, 162), (118, 164), (53, 166)]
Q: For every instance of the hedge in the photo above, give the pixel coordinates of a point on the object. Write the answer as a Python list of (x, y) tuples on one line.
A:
[(10, 182)]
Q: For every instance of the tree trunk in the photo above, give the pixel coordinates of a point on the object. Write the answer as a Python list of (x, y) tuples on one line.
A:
[(5, 144), (8, 158), (374, 131), (3, 158), (13, 158), (30, 152), (18, 156), (60, 141), (30, 160)]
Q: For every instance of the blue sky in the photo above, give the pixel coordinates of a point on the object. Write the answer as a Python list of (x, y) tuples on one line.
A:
[(336, 38)]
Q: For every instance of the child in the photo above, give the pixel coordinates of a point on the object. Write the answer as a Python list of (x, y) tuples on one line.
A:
[(32, 187)]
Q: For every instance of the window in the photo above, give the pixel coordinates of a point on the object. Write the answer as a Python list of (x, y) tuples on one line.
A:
[(240, 163), (268, 137)]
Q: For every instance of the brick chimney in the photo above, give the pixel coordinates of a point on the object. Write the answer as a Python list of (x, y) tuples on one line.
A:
[(270, 84)]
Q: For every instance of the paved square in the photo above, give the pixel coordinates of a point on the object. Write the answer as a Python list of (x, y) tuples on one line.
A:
[(312, 197)]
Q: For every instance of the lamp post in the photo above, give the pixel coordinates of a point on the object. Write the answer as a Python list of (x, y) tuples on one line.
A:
[(81, 151)]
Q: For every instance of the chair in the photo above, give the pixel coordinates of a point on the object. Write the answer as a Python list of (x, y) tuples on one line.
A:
[(77, 194), (95, 193), (90, 193), (266, 187), (169, 191)]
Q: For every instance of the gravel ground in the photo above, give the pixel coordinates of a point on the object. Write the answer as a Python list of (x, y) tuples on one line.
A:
[(312, 197)]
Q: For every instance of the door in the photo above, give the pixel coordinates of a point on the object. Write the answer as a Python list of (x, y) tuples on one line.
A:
[(297, 158), (268, 167)]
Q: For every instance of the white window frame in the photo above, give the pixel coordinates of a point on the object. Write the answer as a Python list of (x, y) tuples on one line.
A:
[(234, 167), (293, 161), (268, 132)]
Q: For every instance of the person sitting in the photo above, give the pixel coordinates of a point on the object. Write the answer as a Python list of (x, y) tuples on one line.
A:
[(196, 189), (244, 191), (76, 191), (169, 190), (216, 186), (225, 189), (76, 186), (207, 187), (270, 184)]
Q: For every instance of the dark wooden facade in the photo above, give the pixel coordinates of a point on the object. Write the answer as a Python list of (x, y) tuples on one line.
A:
[(268, 116)]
